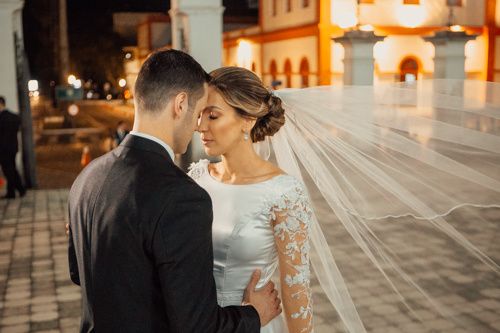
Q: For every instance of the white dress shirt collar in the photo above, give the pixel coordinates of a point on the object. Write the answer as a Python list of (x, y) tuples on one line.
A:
[(169, 150)]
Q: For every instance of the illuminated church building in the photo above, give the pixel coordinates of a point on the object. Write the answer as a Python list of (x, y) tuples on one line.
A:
[(295, 43)]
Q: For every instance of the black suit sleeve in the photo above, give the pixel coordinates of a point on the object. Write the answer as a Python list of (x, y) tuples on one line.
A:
[(183, 253), (73, 264)]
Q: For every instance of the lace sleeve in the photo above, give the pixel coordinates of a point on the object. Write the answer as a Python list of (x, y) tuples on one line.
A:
[(198, 169), (291, 218)]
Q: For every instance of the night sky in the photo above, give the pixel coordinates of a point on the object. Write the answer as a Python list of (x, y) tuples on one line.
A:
[(95, 50)]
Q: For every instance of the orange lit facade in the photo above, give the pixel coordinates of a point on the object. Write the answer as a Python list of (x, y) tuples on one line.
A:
[(293, 41)]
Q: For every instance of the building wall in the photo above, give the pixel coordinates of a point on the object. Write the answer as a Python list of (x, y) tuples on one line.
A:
[(497, 60), (161, 33), (395, 13), (294, 49), (299, 15), (232, 57), (143, 40), (497, 13), (390, 53), (8, 83), (475, 58)]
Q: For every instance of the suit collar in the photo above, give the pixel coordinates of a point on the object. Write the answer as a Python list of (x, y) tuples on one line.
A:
[(137, 142)]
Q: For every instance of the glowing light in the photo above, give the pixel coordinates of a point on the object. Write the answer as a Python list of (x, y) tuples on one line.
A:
[(457, 28), (71, 79), (32, 85), (122, 83), (128, 55), (244, 54), (109, 97), (366, 27), (127, 94), (73, 110), (77, 84), (411, 16)]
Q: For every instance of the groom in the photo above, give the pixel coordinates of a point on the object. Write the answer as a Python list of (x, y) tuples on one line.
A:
[(140, 233)]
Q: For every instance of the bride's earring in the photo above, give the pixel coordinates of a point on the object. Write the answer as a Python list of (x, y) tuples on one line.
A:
[(245, 135)]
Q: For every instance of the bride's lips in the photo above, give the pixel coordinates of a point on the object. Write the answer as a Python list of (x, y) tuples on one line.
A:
[(206, 142)]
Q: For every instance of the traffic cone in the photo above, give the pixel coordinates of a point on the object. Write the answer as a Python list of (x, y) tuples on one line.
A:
[(85, 160)]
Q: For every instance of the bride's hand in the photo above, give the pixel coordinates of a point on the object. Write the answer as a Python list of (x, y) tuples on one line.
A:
[(67, 229), (265, 300)]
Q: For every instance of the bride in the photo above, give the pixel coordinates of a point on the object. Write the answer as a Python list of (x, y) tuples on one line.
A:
[(373, 154), (261, 214)]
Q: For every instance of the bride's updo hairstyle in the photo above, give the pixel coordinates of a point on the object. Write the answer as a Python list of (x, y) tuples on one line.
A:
[(245, 92)]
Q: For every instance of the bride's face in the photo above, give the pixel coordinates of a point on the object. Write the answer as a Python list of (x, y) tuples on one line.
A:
[(221, 128)]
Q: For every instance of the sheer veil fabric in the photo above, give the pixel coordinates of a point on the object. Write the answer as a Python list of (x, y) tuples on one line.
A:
[(386, 153)]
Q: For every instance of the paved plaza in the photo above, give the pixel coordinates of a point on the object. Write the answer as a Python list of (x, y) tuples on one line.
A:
[(36, 294)]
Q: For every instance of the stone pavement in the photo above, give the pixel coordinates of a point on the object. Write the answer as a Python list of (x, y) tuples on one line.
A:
[(36, 294)]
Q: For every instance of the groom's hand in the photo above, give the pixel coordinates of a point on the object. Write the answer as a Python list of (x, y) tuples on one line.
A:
[(265, 300)]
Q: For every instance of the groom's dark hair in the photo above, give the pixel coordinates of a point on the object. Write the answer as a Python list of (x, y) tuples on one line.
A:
[(165, 74)]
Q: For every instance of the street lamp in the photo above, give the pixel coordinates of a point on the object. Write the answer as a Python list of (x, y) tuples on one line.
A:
[(71, 79), (32, 85), (77, 84)]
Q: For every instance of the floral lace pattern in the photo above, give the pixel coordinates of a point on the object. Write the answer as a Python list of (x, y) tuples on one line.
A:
[(198, 169), (291, 216)]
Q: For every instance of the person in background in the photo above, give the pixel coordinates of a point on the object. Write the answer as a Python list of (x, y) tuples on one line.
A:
[(120, 133), (9, 126)]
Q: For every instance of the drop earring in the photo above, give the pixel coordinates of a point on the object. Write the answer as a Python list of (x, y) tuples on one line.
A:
[(245, 136)]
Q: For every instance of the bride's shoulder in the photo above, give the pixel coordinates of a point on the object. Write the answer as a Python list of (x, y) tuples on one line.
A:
[(290, 192), (197, 169), (286, 184)]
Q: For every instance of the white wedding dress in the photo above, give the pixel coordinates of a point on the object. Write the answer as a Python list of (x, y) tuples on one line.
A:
[(261, 226)]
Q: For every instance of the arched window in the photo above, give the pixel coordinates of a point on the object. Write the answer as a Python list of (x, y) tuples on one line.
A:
[(254, 67), (305, 3), (304, 72), (288, 6), (288, 73), (409, 69), (274, 10), (273, 70)]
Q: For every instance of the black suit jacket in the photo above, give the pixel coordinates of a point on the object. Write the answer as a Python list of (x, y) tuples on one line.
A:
[(9, 126), (141, 247)]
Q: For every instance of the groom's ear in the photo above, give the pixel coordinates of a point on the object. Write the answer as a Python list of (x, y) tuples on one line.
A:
[(180, 105)]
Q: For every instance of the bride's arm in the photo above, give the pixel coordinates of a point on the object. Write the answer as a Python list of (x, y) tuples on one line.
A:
[(291, 223)]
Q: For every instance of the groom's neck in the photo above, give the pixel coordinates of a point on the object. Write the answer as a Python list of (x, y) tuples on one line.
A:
[(155, 127)]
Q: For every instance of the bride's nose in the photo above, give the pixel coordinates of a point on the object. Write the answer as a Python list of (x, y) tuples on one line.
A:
[(202, 127)]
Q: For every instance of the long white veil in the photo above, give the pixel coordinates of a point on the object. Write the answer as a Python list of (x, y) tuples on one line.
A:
[(381, 154)]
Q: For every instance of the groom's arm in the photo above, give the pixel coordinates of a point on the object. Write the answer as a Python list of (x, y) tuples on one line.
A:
[(72, 259), (182, 246)]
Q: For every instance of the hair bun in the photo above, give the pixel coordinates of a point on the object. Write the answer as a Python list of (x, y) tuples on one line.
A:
[(270, 123)]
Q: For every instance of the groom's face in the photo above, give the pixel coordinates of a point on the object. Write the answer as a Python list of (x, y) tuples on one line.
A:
[(188, 123)]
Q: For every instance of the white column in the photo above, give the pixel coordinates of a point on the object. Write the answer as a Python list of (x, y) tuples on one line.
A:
[(197, 30), (358, 58), (10, 15), (449, 58)]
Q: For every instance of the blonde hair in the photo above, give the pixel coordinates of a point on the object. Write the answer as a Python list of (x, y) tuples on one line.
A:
[(245, 92)]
